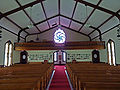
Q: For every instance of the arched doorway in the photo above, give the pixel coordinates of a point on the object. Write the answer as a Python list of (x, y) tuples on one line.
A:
[(60, 57)]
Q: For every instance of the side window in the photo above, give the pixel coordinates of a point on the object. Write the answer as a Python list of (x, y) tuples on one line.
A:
[(111, 52), (8, 53)]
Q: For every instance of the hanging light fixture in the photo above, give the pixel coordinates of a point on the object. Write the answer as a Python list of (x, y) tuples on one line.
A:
[(30, 25), (87, 23), (37, 39)]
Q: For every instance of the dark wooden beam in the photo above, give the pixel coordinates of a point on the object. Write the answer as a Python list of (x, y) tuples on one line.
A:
[(20, 8), (11, 31), (59, 11), (104, 22), (71, 19), (100, 37), (89, 15), (40, 22), (76, 31), (28, 15), (99, 8), (46, 19), (45, 14), (107, 31), (43, 31), (73, 13), (13, 22)]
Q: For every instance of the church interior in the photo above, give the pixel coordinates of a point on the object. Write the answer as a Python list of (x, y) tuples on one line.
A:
[(59, 44)]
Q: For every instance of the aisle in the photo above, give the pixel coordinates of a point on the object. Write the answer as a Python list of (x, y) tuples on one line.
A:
[(59, 81)]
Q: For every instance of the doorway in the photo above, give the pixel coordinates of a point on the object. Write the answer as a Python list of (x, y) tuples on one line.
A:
[(60, 57)]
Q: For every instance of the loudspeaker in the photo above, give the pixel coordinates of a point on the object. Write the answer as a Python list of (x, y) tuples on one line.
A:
[(95, 56), (23, 57)]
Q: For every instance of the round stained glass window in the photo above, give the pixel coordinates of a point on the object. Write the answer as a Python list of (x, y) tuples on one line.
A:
[(59, 36)]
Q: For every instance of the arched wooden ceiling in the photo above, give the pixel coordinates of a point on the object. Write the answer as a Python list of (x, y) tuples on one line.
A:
[(91, 18)]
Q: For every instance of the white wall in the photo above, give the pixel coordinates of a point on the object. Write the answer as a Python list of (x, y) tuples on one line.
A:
[(41, 55), (5, 37), (111, 35), (70, 36)]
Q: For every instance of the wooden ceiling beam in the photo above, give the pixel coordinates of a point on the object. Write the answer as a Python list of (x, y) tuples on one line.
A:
[(99, 8), (28, 15), (45, 14), (100, 36), (76, 31), (43, 31), (90, 15), (11, 31), (20, 8), (41, 22), (14, 23), (104, 22), (106, 31), (71, 19), (75, 6), (46, 19), (59, 11)]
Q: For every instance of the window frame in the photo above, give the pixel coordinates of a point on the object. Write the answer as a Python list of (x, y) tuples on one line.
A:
[(8, 56), (110, 54)]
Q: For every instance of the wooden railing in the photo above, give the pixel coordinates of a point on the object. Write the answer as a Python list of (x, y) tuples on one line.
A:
[(65, 46)]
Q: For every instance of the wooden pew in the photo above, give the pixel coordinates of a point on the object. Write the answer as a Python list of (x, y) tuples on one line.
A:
[(81, 73), (19, 86), (38, 74), (101, 86)]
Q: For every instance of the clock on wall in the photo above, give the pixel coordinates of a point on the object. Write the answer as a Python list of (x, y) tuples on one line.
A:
[(59, 36)]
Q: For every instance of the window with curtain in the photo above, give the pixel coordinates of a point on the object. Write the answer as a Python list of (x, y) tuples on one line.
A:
[(111, 52), (8, 53)]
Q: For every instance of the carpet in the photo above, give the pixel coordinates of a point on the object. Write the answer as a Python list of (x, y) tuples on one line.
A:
[(59, 80)]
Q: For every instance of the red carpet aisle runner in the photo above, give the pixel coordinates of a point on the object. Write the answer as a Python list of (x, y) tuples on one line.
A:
[(59, 81)]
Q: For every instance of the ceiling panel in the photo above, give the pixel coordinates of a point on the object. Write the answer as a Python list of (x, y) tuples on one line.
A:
[(23, 34), (20, 18), (113, 22), (75, 26), (113, 5), (7, 5), (86, 30), (82, 12), (36, 13), (94, 34), (5, 23), (53, 21), (51, 7), (43, 26), (98, 17), (24, 2), (32, 30), (64, 21), (67, 7), (92, 1)]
